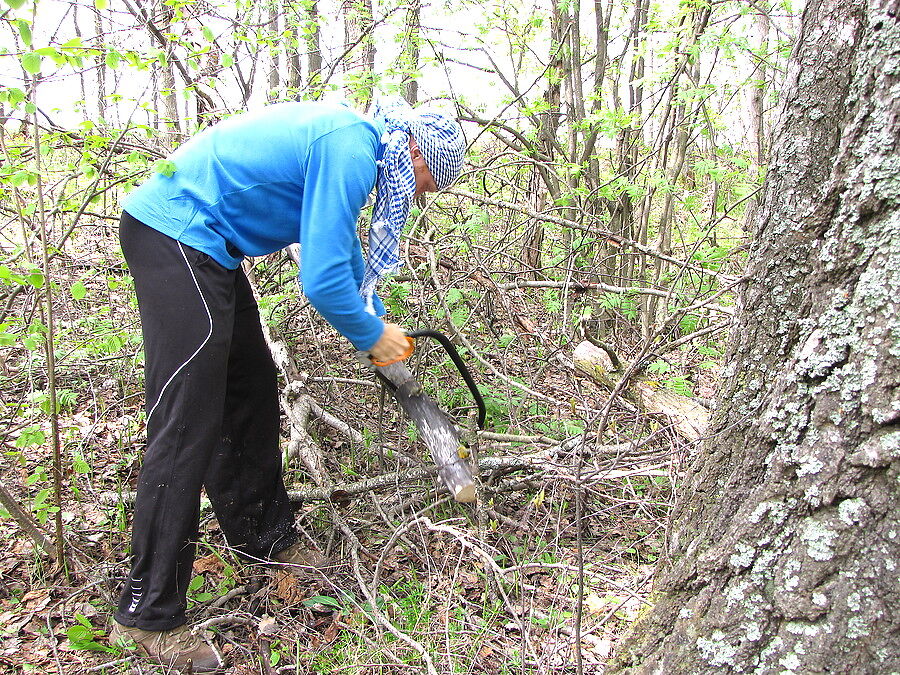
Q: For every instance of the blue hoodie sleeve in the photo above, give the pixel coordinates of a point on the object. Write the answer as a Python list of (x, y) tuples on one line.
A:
[(340, 173)]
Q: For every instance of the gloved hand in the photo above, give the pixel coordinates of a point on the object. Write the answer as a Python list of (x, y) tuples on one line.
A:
[(392, 345)]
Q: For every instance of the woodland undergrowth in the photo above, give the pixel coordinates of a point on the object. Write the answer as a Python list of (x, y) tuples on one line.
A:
[(550, 565)]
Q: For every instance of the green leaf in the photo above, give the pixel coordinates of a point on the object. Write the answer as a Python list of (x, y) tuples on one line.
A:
[(227, 60), (15, 4), (100, 4), (78, 290), (15, 95), (84, 621), (196, 583), (325, 600), (31, 62), (79, 634), (40, 498), (208, 34), (165, 166), (80, 466), (24, 31), (32, 435), (112, 60), (36, 279)]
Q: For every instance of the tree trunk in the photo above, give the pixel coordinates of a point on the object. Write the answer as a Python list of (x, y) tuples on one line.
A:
[(168, 93), (274, 52), (359, 63), (410, 56), (784, 549)]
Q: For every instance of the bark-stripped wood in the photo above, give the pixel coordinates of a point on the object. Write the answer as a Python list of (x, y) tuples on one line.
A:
[(689, 418), (438, 433)]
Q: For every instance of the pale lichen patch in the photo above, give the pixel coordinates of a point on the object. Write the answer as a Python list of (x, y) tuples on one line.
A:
[(743, 556), (809, 466), (819, 540), (716, 650), (803, 628), (753, 632), (852, 511), (857, 627), (791, 662), (737, 593)]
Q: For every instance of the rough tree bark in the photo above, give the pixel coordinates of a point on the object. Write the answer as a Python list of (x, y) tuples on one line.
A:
[(409, 57), (785, 546)]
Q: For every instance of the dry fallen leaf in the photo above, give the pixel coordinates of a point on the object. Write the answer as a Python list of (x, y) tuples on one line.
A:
[(210, 563), (267, 626), (287, 588)]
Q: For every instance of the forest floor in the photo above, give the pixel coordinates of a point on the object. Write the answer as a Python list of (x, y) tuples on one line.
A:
[(560, 550)]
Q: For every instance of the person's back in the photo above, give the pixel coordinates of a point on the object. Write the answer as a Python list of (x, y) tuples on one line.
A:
[(244, 181)]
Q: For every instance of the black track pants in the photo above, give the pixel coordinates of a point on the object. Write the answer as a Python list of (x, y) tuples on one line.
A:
[(212, 421)]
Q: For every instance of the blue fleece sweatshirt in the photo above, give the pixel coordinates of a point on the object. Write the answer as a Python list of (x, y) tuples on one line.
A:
[(257, 182)]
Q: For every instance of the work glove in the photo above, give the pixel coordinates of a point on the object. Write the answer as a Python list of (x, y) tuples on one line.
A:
[(393, 345)]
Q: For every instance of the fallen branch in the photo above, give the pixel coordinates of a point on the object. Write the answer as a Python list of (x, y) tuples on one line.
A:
[(537, 462), (439, 434), (599, 286), (689, 418)]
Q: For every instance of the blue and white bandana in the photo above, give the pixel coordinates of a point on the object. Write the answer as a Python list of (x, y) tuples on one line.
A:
[(442, 144)]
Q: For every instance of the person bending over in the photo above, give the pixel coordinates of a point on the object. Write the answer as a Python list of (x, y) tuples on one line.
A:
[(248, 186)]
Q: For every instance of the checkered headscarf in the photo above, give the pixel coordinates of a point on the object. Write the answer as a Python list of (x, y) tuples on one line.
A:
[(442, 144)]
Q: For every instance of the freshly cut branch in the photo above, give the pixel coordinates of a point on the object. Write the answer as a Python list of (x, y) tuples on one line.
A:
[(439, 434), (689, 418)]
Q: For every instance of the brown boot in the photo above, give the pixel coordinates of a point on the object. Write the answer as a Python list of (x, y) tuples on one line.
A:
[(176, 648), (298, 555)]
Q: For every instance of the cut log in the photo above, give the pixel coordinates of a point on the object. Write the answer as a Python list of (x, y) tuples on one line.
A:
[(439, 433), (689, 418)]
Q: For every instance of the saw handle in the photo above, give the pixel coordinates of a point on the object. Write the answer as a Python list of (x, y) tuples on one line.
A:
[(458, 362), (409, 350)]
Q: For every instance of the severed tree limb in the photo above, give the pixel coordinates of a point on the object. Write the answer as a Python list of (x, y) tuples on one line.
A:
[(439, 434), (689, 418)]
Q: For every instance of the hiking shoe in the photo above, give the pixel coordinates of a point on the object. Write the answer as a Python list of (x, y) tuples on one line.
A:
[(176, 648), (301, 556)]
